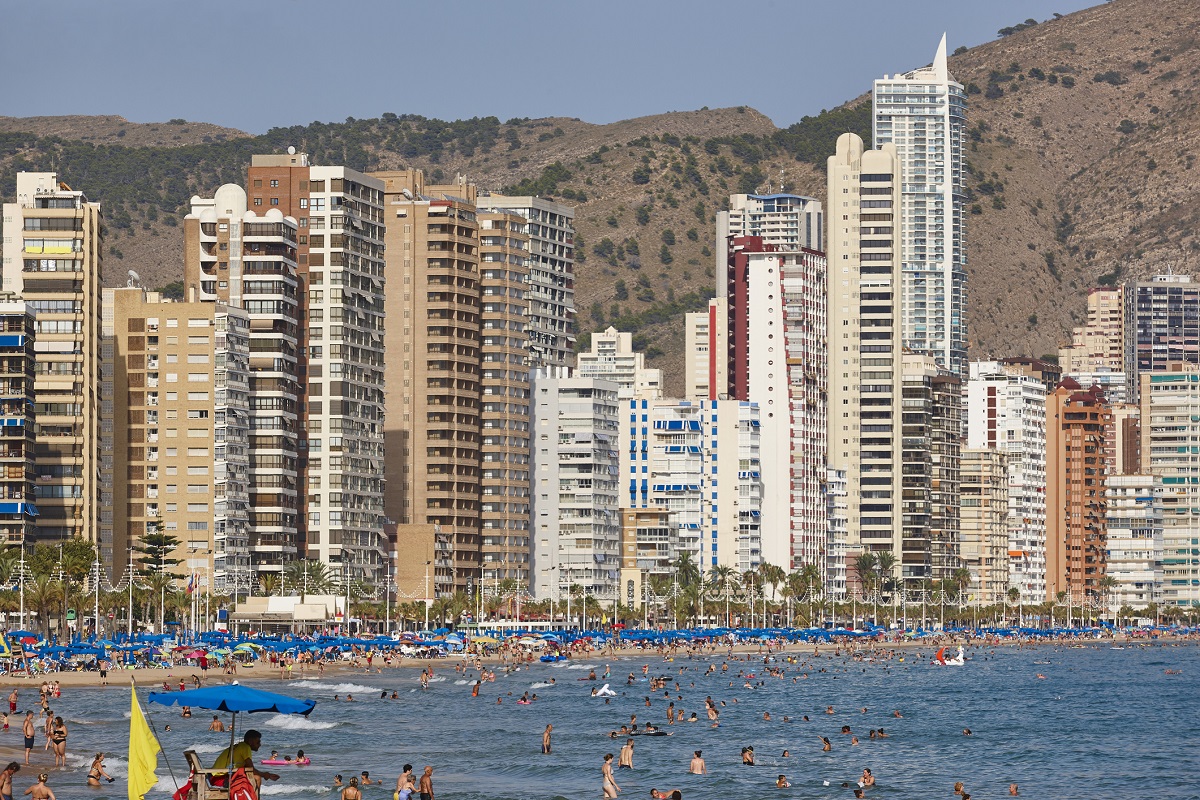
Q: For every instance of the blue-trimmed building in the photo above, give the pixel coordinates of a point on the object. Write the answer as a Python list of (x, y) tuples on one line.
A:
[(700, 460), (17, 505)]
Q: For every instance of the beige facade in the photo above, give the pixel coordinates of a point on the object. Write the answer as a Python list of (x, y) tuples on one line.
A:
[(181, 455), (647, 548), (706, 369), (984, 533), (432, 428), (612, 358), (52, 260), (237, 257), (504, 410), (1099, 345), (865, 353)]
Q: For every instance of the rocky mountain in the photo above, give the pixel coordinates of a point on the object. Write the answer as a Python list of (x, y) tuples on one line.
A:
[(1080, 161)]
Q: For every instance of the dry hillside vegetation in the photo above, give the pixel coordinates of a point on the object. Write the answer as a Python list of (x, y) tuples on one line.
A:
[(1080, 158)]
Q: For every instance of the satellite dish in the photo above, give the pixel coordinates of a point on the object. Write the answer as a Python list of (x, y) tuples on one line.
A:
[(407, 193), (291, 150), (134, 278)]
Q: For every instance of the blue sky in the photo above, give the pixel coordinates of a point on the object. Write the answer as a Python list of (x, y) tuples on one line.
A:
[(257, 64)]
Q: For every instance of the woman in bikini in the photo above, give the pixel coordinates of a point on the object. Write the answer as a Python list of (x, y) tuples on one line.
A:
[(40, 790), (97, 771), (352, 792), (58, 738)]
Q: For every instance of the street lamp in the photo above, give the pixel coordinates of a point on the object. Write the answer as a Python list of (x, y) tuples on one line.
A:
[(427, 563)]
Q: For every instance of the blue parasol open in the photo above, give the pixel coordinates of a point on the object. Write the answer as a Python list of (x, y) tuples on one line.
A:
[(234, 698)]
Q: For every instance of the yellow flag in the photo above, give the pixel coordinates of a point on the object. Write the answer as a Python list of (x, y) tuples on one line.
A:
[(143, 752)]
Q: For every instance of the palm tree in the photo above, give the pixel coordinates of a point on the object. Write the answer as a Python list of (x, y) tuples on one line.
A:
[(686, 571), (962, 579), (721, 577), (751, 580), (1105, 588), (270, 583), (867, 566), (308, 576), (42, 593)]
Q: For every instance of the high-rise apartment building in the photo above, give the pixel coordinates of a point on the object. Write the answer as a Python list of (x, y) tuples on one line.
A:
[(551, 290), (181, 432), (52, 260), (1006, 411), (18, 508), (923, 113), (1135, 525), (931, 426), (613, 358), (700, 460), (837, 514), (575, 486), (1099, 344), (340, 268), (1162, 326), (434, 432), (705, 366), (983, 539), (504, 410), (1077, 432), (1170, 432), (785, 221), (865, 341), (648, 548), (777, 358), (247, 260)]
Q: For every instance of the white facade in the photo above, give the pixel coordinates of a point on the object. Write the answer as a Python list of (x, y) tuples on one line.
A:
[(1006, 411), (923, 113), (1170, 443), (706, 352), (700, 461), (837, 512), (1134, 556), (551, 292), (787, 374), (345, 372), (575, 491), (785, 221), (612, 358), (1115, 388)]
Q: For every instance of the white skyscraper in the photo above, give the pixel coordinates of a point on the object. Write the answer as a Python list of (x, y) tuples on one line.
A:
[(923, 113), (1006, 411)]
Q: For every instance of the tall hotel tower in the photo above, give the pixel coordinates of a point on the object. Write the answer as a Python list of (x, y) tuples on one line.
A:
[(923, 113)]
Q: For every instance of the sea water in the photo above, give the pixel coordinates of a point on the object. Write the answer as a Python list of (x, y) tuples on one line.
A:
[(1103, 723)]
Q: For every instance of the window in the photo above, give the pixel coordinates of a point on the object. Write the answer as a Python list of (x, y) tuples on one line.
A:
[(274, 184), (197, 508), (197, 452), (197, 358), (194, 396), (274, 201), (198, 414), (197, 470), (258, 201)]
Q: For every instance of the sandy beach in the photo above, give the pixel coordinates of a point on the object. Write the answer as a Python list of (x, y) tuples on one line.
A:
[(153, 678)]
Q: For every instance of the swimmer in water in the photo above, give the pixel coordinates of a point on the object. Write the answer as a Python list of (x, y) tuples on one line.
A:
[(826, 745), (782, 782)]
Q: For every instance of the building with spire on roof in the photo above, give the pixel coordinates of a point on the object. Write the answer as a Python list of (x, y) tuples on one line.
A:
[(924, 114)]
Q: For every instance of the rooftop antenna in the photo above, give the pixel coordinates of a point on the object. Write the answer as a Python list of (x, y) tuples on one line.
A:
[(135, 280)]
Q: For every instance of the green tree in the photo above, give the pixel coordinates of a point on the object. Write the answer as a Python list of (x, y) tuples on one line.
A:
[(308, 576), (157, 554)]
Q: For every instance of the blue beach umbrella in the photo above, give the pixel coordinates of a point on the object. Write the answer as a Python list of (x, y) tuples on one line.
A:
[(234, 698)]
